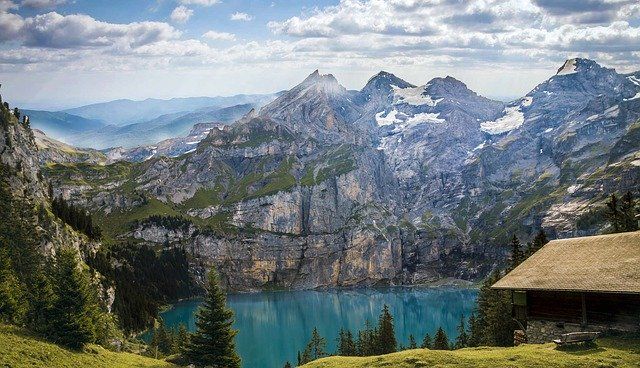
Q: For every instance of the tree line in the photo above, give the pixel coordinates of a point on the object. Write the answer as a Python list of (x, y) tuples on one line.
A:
[(144, 281), (378, 340), (76, 217)]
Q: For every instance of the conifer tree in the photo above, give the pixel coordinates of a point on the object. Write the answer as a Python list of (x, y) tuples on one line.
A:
[(613, 214), (462, 341), (474, 331), (346, 345), (73, 311), (441, 341), (628, 213), (315, 349), (427, 342), (182, 338), (367, 340), (516, 252), (41, 298), (213, 342), (287, 365), (11, 307), (386, 337), (538, 242), (412, 342), (164, 338)]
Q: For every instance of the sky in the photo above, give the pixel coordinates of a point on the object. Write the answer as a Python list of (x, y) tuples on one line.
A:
[(62, 53)]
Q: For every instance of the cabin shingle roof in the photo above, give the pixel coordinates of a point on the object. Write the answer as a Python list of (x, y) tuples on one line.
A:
[(603, 263)]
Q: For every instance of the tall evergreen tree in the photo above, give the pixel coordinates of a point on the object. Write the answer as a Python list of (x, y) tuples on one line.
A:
[(386, 335), (213, 342), (516, 252), (11, 307), (628, 213), (538, 242), (74, 309), (441, 341), (412, 342), (366, 344), (164, 339), (181, 338), (474, 331), (613, 214), (346, 344), (462, 341), (315, 349), (427, 342)]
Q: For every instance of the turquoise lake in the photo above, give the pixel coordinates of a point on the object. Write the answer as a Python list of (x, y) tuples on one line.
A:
[(275, 325)]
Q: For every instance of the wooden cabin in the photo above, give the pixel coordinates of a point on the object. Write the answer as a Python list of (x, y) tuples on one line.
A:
[(578, 284)]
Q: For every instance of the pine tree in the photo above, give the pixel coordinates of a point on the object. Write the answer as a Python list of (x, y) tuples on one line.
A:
[(315, 349), (11, 307), (299, 359), (366, 344), (474, 331), (346, 345), (628, 213), (287, 365), (41, 299), (538, 242), (427, 342), (182, 338), (462, 341), (73, 311), (613, 214), (516, 253), (441, 341), (213, 342), (412, 342), (386, 337), (164, 338), (493, 325)]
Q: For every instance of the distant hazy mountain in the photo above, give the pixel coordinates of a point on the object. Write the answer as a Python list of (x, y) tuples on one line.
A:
[(161, 128), (124, 112), (61, 125)]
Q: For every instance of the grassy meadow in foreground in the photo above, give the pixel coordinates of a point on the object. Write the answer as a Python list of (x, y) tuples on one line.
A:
[(19, 349), (609, 352)]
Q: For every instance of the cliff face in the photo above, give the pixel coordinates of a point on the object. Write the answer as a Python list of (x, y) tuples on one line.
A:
[(20, 169), (394, 184)]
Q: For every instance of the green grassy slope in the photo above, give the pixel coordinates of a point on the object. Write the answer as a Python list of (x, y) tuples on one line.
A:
[(619, 353), (19, 348)]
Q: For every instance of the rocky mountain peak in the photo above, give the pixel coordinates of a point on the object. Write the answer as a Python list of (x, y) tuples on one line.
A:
[(385, 81), (577, 65), (447, 87)]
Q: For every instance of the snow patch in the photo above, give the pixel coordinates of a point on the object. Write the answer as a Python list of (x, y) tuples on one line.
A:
[(526, 102), (632, 98), (548, 130), (424, 117), (569, 67), (189, 151), (512, 119), (480, 146), (390, 119), (413, 96), (193, 142), (634, 80)]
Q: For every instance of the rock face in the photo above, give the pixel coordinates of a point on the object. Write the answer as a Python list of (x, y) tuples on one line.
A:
[(393, 184)]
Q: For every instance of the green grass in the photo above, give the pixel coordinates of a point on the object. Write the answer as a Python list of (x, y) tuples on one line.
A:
[(19, 348), (609, 352), (118, 222)]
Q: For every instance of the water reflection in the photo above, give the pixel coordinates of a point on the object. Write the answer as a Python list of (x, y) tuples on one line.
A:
[(275, 325)]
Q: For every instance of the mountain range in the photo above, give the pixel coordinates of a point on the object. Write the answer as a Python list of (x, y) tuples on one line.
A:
[(128, 124), (391, 184)]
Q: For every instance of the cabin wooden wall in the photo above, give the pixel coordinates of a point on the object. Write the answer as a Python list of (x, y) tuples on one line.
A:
[(601, 308)]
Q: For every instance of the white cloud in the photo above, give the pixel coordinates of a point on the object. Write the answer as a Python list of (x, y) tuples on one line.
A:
[(181, 14), (219, 36), (39, 4), (6, 5), (241, 16), (199, 2), (53, 30)]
